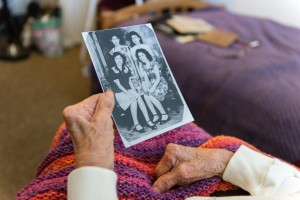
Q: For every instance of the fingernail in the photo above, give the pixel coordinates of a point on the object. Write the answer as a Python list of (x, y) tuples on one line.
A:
[(109, 94), (156, 189)]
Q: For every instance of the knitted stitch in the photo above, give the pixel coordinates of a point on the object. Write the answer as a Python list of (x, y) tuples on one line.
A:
[(134, 166)]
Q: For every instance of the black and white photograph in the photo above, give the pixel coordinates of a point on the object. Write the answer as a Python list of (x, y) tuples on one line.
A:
[(130, 62)]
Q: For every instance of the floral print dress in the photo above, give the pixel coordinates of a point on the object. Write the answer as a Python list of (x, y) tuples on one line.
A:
[(162, 88)]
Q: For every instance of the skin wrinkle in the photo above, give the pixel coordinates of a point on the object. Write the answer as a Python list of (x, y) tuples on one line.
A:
[(92, 133), (184, 174), (87, 110), (189, 164), (167, 182)]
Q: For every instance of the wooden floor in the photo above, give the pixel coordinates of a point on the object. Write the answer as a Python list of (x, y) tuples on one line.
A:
[(33, 93)]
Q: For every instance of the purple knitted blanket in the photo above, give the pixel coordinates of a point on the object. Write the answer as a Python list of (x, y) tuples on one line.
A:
[(134, 166)]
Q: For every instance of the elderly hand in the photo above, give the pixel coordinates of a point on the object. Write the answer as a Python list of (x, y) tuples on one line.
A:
[(91, 128), (182, 165)]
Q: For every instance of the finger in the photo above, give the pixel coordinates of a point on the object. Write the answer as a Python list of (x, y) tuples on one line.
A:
[(80, 109), (79, 112), (165, 165), (168, 160), (92, 100), (173, 155), (165, 182), (104, 106)]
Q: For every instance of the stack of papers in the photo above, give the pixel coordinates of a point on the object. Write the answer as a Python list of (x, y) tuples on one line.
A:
[(189, 25), (192, 29)]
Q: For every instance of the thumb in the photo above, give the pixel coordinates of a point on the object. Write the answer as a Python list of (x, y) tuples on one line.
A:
[(104, 106), (165, 182)]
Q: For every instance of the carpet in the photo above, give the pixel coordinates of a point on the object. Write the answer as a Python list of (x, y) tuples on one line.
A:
[(33, 93)]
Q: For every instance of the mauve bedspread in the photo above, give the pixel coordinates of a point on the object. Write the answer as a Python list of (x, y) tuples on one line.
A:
[(255, 97)]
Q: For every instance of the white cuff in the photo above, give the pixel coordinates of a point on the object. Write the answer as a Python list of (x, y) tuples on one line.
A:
[(247, 169), (92, 183)]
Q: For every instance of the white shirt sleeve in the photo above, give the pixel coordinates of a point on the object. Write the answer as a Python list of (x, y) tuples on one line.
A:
[(263, 177), (92, 183)]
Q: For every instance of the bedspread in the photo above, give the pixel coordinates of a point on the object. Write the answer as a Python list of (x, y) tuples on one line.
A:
[(254, 97)]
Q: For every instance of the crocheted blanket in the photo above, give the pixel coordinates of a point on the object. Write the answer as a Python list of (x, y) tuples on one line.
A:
[(134, 166)]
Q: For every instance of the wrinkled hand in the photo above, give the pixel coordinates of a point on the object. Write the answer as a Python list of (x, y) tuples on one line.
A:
[(91, 128), (182, 165)]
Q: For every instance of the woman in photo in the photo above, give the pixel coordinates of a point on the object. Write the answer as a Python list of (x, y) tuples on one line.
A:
[(118, 47), (121, 83), (136, 42), (124, 49), (154, 85)]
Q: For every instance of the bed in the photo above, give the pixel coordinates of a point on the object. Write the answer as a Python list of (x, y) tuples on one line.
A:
[(252, 94)]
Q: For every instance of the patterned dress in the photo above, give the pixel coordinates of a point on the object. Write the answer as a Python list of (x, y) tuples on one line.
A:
[(162, 88)]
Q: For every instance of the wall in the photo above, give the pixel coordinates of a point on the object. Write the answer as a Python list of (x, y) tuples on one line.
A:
[(283, 11), (74, 16)]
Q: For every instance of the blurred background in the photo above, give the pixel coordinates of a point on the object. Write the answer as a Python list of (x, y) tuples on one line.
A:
[(285, 12), (40, 74), (44, 67)]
